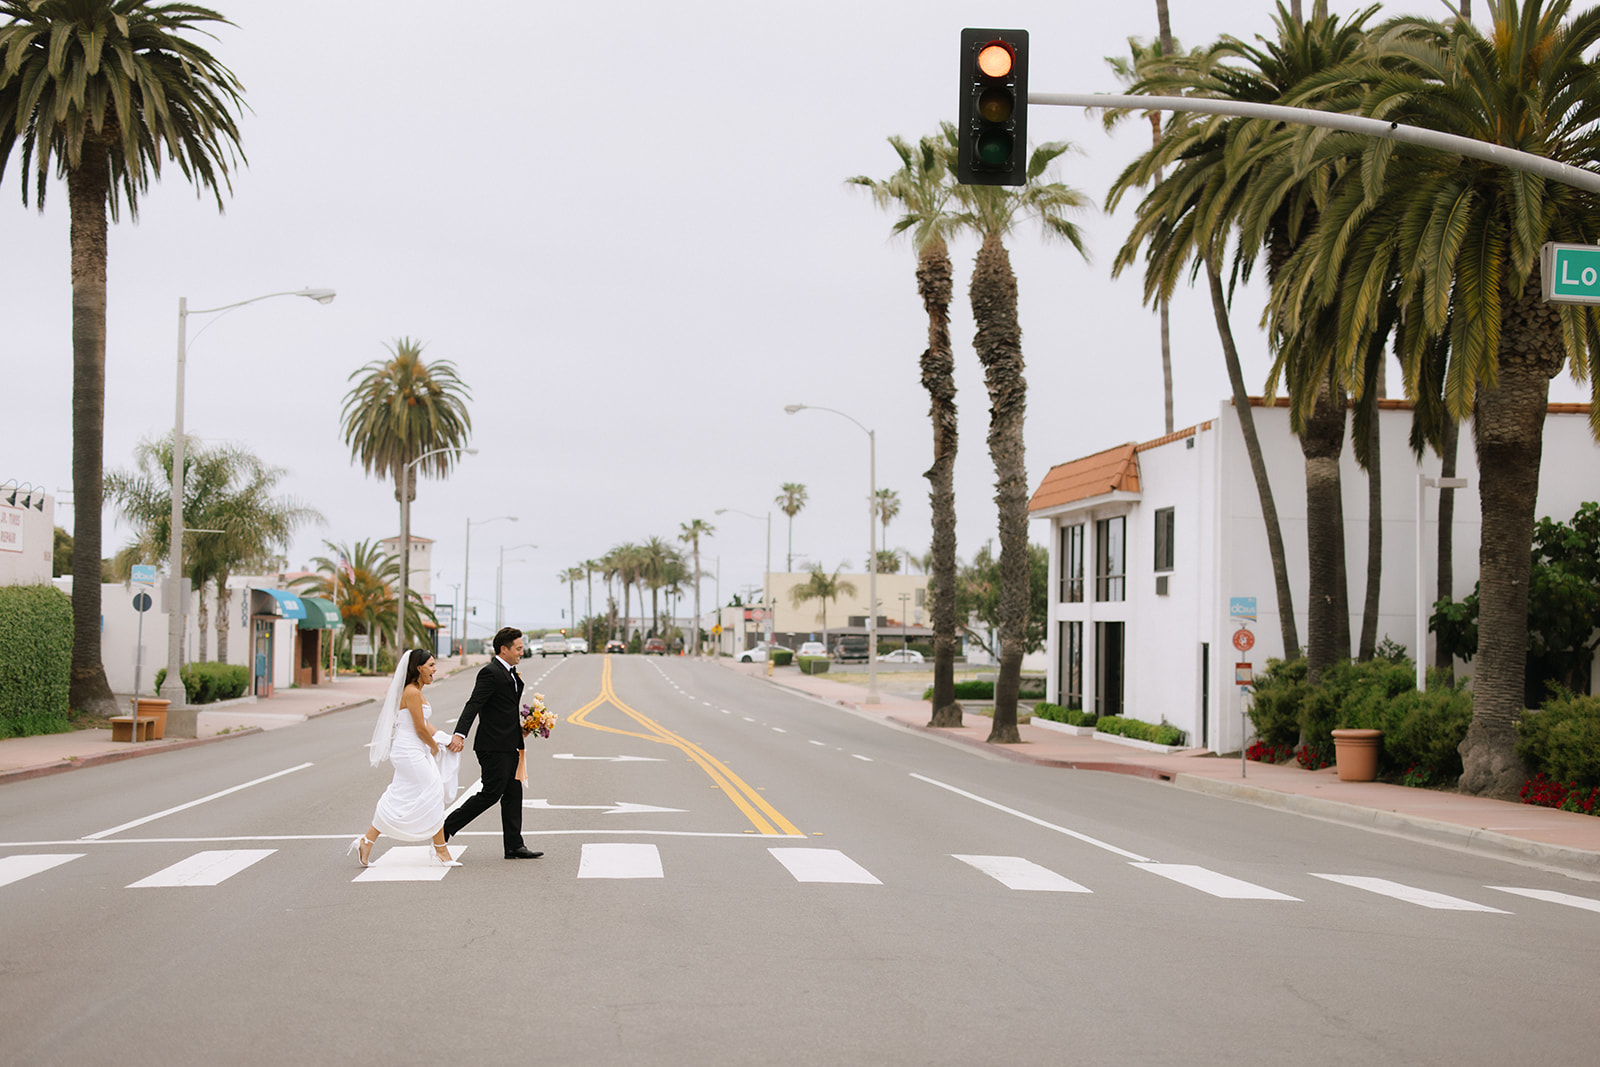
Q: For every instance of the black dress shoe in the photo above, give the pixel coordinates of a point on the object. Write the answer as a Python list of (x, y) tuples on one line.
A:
[(523, 853)]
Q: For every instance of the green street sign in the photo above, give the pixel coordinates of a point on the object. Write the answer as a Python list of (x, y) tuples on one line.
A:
[(1570, 273)]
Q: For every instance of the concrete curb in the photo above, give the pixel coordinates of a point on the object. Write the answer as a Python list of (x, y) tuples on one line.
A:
[(148, 748), (339, 708)]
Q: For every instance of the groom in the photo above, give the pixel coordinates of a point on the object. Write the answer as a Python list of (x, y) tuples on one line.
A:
[(495, 705)]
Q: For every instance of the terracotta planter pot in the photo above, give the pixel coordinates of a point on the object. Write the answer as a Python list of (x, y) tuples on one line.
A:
[(1355, 753), (156, 709)]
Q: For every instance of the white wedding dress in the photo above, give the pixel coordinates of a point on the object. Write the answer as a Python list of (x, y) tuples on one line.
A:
[(412, 808)]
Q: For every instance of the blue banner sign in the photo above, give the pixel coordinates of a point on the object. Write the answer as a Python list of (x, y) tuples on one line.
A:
[(1242, 608)]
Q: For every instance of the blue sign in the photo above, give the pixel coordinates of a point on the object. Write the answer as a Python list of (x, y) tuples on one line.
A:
[(1242, 608), (143, 574)]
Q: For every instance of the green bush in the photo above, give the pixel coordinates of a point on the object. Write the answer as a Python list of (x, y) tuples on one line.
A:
[(1422, 731), (206, 683), (35, 660), (1070, 716), (635, 645), (1562, 740), (782, 657), (1280, 691), (1162, 734), (814, 664)]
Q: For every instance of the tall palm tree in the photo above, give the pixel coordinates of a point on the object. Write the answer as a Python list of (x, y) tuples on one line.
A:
[(99, 91), (591, 567), (922, 190), (654, 570), (821, 587), (690, 533), (627, 561), (993, 211), (228, 497), (572, 576), (887, 506), (365, 593), (1464, 237), (400, 410), (791, 500)]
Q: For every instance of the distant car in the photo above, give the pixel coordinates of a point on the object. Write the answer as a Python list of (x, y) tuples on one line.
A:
[(578, 646), (553, 644), (654, 646), (901, 655), (754, 655), (614, 645), (852, 648), (813, 648)]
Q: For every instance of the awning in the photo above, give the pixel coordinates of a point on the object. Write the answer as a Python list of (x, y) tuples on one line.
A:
[(320, 614), (278, 602)]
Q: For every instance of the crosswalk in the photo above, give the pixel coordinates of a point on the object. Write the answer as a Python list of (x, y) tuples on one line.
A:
[(806, 865)]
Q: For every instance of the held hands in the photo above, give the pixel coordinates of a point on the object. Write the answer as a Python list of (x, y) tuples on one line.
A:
[(457, 743)]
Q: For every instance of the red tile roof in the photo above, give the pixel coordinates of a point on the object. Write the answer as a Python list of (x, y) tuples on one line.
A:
[(1104, 472)]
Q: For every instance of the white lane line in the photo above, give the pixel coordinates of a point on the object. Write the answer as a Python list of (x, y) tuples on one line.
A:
[(864, 759), (1551, 896), (1085, 838), (823, 865), (1014, 872), (779, 730), (345, 836), (748, 719), (409, 863), (16, 868), (725, 711), (619, 861), (205, 868), (1409, 894), (191, 804), (824, 744), (1218, 885)]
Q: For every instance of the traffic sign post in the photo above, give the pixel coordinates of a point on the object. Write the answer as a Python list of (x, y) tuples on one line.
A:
[(1243, 678), (141, 603), (1570, 274)]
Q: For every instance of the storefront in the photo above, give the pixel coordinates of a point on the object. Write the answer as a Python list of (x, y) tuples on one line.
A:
[(314, 637), (274, 614)]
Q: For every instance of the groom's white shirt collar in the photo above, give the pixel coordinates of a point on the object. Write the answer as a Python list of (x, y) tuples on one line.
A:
[(503, 662)]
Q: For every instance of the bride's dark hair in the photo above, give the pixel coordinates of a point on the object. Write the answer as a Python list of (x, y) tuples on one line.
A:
[(419, 656)]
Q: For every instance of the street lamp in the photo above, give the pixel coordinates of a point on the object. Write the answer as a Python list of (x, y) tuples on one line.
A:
[(766, 577), (405, 535), (1424, 482), (904, 597), (499, 580), (872, 544), (172, 685), (466, 573)]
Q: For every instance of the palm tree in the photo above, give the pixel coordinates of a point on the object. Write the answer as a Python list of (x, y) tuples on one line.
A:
[(992, 211), (99, 91), (627, 561), (922, 190), (791, 499), (887, 506), (821, 587), (1464, 239), (364, 594), (658, 556), (690, 533), (401, 410), (228, 498), (572, 576)]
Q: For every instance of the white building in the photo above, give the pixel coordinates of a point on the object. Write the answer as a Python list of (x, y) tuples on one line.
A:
[(902, 609), (1150, 542), (27, 534)]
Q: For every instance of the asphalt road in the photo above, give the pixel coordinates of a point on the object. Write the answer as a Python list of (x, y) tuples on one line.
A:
[(736, 874)]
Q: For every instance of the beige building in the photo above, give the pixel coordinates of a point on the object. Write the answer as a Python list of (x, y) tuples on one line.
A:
[(902, 609)]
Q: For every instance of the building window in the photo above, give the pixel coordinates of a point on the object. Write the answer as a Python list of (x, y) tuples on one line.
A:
[(1071, 665), (1110, 559), (1164, 530), (1109, 638), (922, 596), (1072, 564)]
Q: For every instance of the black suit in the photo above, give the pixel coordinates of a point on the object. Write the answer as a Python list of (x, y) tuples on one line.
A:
[(494, 705)]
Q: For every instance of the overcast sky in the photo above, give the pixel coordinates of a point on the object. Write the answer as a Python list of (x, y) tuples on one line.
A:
[(627, 225)]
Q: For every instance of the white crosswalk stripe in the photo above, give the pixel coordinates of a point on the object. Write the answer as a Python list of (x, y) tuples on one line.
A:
[(823, 865), (1218, 885), (205, 868), (408, 863), (1551, 896), (620, 861), (1410, 894), (1014, 872), (16, 868)]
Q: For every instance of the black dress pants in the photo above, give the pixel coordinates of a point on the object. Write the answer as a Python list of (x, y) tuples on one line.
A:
[(499, 770)]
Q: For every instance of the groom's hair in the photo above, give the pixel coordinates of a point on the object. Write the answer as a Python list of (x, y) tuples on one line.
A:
[(506, 638)]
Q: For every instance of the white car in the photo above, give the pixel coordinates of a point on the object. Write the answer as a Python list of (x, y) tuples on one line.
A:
[(901, 655), (553, 644), (813, 648), (754, 655), (578, 645)]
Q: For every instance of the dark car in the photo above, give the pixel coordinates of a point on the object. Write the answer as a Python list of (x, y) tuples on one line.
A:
[(851, 648), (615, 646), (654, 646)]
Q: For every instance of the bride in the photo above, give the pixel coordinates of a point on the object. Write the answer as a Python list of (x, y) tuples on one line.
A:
[(412, 808)]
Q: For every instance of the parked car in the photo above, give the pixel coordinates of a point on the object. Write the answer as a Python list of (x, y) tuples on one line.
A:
[(901, 655), (578, 646), (554, 643), (812, 648), (757, 654), (654, 646), (851, 648), (614, 645)]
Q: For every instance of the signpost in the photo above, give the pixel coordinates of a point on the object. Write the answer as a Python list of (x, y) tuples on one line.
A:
[(141, 603), (1570, 274)]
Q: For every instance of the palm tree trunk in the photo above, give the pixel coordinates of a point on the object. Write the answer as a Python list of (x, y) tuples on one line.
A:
[(1445, 590), (1287, 628), (1508, 428), (87, 188), (999, 346), (694, 631), (1369, 608), (935, 283), (1164, 36), (1328, 613), (203, 617), (224, 600)]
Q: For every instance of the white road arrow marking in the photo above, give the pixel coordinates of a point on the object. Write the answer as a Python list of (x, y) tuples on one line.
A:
[(613, 759), (621, 807)]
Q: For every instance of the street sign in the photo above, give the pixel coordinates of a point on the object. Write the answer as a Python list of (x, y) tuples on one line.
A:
[(1244, 640), (143, 574), (1242, 608), (1242, 674), (141, 602), (1570, 274)]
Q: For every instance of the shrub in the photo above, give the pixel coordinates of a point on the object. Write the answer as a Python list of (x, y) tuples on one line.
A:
[(1423, 731), (1562, 740), (1162, 734), (813, 664), (782, 657), (35, 660), (1280, 690), (206, 683), (1057, 713)]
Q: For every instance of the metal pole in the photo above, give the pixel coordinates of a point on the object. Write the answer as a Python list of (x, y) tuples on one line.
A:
[(872, 563), (766, 592), (466, 573), (1421, 651), (405, 558), (172, 684)]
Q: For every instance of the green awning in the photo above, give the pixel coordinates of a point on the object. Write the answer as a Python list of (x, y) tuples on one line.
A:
[(320, 614)]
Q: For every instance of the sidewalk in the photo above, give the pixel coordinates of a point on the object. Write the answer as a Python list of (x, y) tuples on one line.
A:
[(31, 757), (1504, 829)]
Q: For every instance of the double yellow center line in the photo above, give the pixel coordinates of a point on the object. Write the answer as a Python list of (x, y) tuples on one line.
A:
[(762, 815)]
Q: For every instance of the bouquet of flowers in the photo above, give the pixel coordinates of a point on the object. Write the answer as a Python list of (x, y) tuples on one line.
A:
[(536, 718)]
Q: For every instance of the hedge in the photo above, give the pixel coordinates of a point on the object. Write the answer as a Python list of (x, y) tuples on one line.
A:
[(1562, 740), (814, 664), (206, 683), (1070, 716), (981, 690), (782, 657), (1163, 734), (35, 660)]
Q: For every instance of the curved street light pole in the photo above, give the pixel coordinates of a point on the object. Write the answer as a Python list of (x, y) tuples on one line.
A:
[(766, 578), (172, 686), (872, 544), (499, 584), (466, 573), (405, 538)]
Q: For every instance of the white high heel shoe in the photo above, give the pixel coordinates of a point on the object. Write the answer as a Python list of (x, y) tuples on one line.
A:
[(362, 848), (441, 861)]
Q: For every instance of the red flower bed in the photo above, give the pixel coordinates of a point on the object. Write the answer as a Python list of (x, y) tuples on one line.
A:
[(1542, 792)]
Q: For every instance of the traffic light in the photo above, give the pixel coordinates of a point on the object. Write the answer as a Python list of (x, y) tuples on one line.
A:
[(994, 108)]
